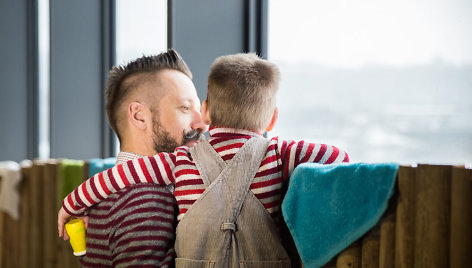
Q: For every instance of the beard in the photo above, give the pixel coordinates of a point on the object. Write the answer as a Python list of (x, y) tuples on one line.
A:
[(163, 141)]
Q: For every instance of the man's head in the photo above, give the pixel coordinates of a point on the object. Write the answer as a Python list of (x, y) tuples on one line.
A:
[(242, 92), (152, 104)]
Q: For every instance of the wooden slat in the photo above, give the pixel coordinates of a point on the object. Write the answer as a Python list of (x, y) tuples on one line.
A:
[(50, 214), (65, 255), (85, 174), (461, 218), (8, 251), (387, 238), (432, 221), (371, 248), (25, 228), (14, 230), (36, 217), (405, 224), (9, 241), (2, 238), (61, 245), (350, 257), (2, 232)]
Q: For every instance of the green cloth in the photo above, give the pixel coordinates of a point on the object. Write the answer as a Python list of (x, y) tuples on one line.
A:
[(71, 175)]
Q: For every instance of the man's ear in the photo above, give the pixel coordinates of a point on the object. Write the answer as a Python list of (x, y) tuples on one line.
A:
[(205, 113), (275, 115), (136, 115)]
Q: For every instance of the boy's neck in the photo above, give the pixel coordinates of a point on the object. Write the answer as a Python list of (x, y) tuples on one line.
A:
[(232, 129)]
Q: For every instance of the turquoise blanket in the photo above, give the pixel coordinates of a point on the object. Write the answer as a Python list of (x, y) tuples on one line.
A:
[(97, 165), (327, 207)]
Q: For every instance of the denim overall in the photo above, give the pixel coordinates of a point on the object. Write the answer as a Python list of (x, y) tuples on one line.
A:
[(228, 226)]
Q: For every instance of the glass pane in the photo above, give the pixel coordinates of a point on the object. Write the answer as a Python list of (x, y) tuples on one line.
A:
[(43, 78), (384, 80), (141, 29)]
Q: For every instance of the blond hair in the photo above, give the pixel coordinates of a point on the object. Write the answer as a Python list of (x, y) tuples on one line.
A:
[(242, 91)]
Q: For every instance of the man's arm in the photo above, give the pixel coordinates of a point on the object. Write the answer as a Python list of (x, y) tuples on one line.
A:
[(293, 153), (156, 169)]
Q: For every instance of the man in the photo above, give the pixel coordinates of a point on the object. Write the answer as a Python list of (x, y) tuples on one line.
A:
[(152, 106)]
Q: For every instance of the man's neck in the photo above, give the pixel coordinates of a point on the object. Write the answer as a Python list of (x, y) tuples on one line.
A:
[(125, 156), (139, 150)]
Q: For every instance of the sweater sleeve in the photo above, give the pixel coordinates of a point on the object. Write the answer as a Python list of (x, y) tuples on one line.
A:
[(156, 169), (292, 153)]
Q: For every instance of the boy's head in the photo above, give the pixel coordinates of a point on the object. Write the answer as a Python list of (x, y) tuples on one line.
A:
[(242, 92)]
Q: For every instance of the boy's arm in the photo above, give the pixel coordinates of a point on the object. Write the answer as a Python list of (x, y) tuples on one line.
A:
[(293, 153), (155, 169)]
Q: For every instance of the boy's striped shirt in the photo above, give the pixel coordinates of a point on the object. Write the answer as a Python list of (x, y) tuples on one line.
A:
[(281, 158)]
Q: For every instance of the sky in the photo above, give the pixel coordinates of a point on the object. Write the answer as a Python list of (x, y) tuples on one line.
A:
[(341, 33), (384, 80)]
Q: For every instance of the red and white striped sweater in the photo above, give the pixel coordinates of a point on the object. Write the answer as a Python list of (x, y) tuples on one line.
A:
[(167, 168)]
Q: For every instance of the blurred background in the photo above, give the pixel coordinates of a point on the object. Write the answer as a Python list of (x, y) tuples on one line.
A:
[(384, 80)]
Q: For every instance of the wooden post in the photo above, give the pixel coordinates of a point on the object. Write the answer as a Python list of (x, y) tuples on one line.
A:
[(50, 214), (350, 257), (63, 251), (387, 238), (86, 171), (25, 229), (9, 241), (8, 251), (461, 218), (35, 221), (432, 221), (370, 248), (14, 232), (405, 220), (65, 256), (2, 232), (2, 238)]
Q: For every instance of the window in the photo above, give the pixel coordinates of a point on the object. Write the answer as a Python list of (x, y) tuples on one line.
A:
[(384, 80), (141, 29), (43, 79)]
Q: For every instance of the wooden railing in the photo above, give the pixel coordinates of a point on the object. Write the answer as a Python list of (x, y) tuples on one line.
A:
[(33, 240), (428, 223)]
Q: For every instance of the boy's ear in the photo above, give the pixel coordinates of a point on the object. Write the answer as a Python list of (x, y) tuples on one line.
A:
[(205, 113), (136, 115), (275, 115)]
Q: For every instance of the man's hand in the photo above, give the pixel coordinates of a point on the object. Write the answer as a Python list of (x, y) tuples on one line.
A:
[(85, 219), (62, 218)]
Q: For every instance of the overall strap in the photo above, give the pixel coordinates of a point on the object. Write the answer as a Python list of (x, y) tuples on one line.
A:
[(240, 171), (209, 163), (207, 232)]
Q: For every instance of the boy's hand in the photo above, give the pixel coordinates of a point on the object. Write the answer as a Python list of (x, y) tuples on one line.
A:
[(62, 218)]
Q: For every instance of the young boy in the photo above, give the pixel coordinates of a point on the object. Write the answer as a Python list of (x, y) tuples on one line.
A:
[(229, 187)]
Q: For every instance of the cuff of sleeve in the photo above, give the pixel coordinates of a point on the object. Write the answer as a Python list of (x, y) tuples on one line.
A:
[(75, 214)]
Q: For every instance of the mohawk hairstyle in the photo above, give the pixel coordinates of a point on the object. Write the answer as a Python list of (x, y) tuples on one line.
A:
[(118, 89)]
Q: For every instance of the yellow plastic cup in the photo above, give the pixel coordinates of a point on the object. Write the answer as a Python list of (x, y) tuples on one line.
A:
[(76, 230)]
